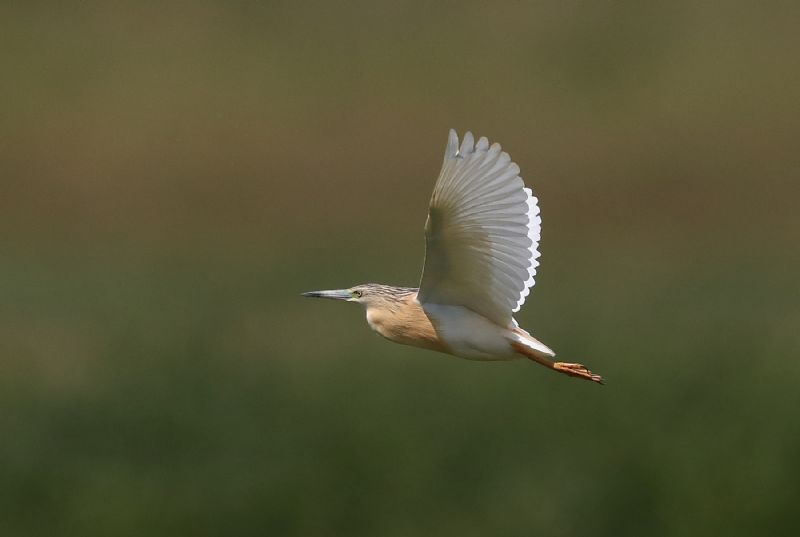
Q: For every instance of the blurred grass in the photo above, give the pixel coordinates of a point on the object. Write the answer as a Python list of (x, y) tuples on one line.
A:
[(167, 398), (173, 176)]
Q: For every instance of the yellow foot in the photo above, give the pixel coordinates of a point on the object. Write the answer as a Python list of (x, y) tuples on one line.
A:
[(577, 370)]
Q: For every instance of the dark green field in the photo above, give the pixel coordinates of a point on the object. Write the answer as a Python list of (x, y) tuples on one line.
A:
[(173, 176)]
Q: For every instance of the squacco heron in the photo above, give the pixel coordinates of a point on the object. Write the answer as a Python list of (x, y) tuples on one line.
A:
[(481, 253)]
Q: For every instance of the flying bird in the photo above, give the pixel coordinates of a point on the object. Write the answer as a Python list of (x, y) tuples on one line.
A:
[(481, 253)]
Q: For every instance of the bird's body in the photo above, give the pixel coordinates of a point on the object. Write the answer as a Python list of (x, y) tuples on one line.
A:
[(449, 329), (482, 238)]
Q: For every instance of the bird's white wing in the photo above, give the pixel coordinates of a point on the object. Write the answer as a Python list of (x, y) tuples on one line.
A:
[(482, 233)]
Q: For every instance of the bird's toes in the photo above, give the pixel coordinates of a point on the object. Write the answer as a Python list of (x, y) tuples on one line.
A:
[(577, 370)]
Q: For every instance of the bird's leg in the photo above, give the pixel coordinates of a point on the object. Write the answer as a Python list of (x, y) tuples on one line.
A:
[(573, 370)]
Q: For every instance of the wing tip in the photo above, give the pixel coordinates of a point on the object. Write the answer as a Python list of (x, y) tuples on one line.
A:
[(467, 144), (452, 145)]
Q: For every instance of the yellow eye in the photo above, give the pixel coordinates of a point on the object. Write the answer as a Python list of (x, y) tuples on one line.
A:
[(357, 294)]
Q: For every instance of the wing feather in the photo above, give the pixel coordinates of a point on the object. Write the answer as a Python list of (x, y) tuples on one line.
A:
[(482, 234)]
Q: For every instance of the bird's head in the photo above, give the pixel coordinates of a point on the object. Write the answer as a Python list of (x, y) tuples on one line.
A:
[(368, 294)]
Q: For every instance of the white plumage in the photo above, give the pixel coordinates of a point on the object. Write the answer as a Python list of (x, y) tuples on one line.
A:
[(482, 233)]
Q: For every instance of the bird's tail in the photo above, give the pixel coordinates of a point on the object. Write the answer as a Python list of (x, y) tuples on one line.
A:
[(530, 346)]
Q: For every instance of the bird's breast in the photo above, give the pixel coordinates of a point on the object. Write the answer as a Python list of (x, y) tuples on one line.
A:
[(407, 325)]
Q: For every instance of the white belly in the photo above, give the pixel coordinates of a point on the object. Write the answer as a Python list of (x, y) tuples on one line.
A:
[(469, 335)]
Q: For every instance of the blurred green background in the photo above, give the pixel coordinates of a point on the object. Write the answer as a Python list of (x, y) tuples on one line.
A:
[(173, 175)]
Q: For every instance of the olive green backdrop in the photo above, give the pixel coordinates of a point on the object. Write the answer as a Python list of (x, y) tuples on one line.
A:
[(173, 175)]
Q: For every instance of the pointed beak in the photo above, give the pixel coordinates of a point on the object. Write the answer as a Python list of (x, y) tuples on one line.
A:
[(336, 294)]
